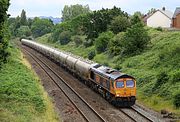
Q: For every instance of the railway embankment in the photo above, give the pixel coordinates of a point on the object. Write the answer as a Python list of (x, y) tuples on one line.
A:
[(22, 98), (156, 69)]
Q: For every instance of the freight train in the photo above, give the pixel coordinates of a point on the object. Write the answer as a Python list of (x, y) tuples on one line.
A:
[(115, 86)]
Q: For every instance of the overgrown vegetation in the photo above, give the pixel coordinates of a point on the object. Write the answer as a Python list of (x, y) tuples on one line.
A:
[(21, 96), (4, 33)]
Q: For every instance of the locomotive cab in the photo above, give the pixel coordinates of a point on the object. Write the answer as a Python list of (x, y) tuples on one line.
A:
[(125, 91)]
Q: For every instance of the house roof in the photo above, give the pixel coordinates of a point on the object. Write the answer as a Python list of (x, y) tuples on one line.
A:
[(167, 13), (177, 11)]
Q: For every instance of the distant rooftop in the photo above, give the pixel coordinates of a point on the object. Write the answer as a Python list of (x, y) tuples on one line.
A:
[(166, 12), (177, 11)]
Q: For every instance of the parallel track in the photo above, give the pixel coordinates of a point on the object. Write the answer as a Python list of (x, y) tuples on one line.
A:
[(40, 62), (127, 112)]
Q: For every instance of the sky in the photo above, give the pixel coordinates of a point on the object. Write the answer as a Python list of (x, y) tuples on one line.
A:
[(53, 8)]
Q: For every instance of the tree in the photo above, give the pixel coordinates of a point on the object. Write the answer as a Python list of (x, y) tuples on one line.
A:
[(41, 26), (23, 20), (102, 41), (136, 39), (30, 21), (4, 35), (70, 12), (59, 28), (98, 21), (23, 31), (119, 24), (141, 15), (152, 10), (136, 19)]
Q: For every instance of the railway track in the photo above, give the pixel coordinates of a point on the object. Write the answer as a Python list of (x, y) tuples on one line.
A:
[(87, 112), (134, 113), (138, 115)]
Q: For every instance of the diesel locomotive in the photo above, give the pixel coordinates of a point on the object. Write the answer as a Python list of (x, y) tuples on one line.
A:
[(116, 87)]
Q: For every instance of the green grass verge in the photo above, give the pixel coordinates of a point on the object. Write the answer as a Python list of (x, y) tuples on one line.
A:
[(22, 98), (157, 69)]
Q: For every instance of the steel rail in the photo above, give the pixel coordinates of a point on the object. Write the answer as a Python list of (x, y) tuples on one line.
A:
[(84, 116)]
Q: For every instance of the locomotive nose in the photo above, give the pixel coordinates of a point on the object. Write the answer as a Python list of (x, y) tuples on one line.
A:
[(126, 92)]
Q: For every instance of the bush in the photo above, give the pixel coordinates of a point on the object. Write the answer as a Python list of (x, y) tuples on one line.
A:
[(91, 55), (88, 43), (65, 37), (162, 78), (119, 24), (136, 40), (175, 76), (118, 66), (77, 39), (115, 44), (159, 29), (176, 100), (102, 41)]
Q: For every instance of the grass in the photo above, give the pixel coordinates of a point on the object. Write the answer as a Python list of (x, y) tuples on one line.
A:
[(22, 98), (157, 69)]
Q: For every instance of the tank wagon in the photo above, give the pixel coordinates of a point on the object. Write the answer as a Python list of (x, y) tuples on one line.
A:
[(115, 86)]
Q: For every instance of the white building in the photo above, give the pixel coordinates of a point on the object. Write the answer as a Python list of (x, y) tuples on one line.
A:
[(160, 18)]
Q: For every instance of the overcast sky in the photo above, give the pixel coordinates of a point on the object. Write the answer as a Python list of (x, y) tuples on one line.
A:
[(54, 7)]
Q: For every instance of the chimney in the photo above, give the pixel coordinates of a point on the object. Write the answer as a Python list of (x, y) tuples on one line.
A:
[(163, 8)]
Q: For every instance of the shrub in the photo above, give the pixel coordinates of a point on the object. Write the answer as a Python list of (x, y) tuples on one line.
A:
[(91, 55), (119, 24), (115, 44), (106, 63), (77, 39), (159, 29), (176, 100), (162, 78), (88, 43), (136, 39), (65, 37), (175, 76), (118, 66), (102, 41)]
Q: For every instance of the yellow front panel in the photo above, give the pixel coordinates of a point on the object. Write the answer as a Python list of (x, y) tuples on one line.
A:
[(126, 92)]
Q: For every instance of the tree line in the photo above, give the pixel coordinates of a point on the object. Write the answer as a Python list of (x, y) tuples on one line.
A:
[(27, 27), (109, 30)]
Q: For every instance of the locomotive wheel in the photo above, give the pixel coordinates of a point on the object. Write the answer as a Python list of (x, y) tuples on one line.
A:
[(104, 94), (108, 96)]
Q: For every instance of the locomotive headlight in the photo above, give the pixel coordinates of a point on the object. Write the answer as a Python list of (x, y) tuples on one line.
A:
[(117, 95)]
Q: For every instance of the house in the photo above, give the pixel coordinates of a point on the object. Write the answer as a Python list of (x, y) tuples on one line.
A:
[(160, 18), (176, 18)]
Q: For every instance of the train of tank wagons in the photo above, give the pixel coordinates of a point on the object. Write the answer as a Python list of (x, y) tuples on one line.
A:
[(115, 86)]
